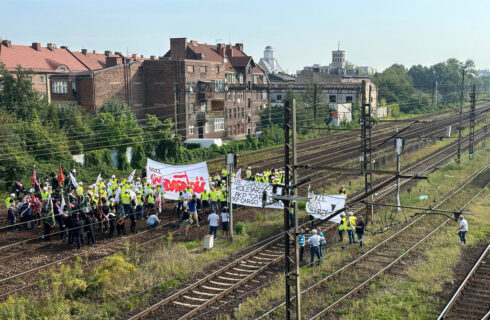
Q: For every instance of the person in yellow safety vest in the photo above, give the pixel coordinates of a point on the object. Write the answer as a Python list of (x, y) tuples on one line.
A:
[(80, 189), (223, 183), (265, 178), (44, 195), (257, 177), (7, 200), (342, 190), (150, 202), (222, 197), (205, 199), (342, 226), (351, 226), (217, 178), (224, 173), (139, 205), (214, 195), (248, 173)]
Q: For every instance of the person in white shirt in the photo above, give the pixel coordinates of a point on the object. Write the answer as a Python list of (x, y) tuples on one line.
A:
[(462, 229), (224, 221), (314, 242), (213, 219)]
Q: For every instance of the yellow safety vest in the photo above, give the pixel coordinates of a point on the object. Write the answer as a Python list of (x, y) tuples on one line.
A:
[(224, 173), (151, 199), (222, 196), (44, 196), (126, 198), (342, 224), (214, 195), (351, 223), (139, 201), (80, 191), (205, 196), (7, 201), (248, 174)]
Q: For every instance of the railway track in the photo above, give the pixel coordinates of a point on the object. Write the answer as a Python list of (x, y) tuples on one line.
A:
[(9, 285), (195, 298), (471, 300), (357, 274)]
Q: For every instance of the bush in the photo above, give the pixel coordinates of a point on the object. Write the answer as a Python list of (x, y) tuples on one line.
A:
[(239, 228)]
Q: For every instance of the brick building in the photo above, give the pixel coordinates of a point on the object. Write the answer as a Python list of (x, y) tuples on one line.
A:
[(207, 89)]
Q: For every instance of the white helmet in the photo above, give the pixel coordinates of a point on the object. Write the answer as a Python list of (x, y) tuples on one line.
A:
[(113, 177), (342, 214), (12, 194), (45, 189), (80, 183), (350, 213), (74, 171)]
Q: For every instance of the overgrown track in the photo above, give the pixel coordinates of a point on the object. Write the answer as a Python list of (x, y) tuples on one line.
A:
[(225, 284), (352, 277), (472, 298)]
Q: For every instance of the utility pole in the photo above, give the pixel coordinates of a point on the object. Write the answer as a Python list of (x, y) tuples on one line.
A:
[(471, 144), (398, 149), (460, 128), (292, 275), (366, 133), (434, 97), (230, 164), (315, 101), (176, 133)]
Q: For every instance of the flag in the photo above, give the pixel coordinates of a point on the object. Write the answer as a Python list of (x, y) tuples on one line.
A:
[(62, 205), (61, 176), (73, 181), (49, 217), (159, 202), (99, 179), (34, 178), (238, 174), (131, 176)]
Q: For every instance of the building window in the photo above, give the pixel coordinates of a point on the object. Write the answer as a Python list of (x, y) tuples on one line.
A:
[(348, 99), (255, 79), (192, 130), (206, 128), (74, 87), (240, 78), (332, 98), (203, 106), (219, 85), (31, 78), (217, 69), (191, 108), (60, 87), (42, 79), (219, 124), (190, 68), (202, 69), (249, 103)]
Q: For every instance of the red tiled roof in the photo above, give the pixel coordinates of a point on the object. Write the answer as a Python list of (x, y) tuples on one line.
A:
[(44, 60), (241, 61), (210, 53), (257, 69), (93, 61)]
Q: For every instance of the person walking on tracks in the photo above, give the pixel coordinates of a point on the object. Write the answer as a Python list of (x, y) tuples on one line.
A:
[(301, 243), (342, 226), (462, 229), (213, 219), (314, 241)]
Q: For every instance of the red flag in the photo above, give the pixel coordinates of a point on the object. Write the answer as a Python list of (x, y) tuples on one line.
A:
[(34, 178), (61, 177)]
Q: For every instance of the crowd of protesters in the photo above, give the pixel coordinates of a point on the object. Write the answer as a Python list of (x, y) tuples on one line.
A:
[(67, 209)]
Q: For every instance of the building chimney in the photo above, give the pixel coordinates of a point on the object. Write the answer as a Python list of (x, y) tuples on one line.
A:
[(51, 46), (153, 57), (36, 46), (193, 41), (112, 61), (64, 47), (93, 51), (134, 56), (229, 50), (84, 51), (107, 53), (142, 56), (239, 46), (7, 43), (117, 53), (221, 49), (178, 48)]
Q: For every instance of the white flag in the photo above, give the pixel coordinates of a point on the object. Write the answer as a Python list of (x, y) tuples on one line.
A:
[(73, 181), (131, 176), (62, 205), (99, 179), (239, 173)]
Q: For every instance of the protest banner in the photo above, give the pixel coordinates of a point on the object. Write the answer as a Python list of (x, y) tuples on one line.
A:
[(249, 193), (177, 178), (320, 205)]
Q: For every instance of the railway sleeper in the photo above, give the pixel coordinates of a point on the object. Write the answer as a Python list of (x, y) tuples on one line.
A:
[(213, 288), (196, 299), (204, 293), (188, 305)]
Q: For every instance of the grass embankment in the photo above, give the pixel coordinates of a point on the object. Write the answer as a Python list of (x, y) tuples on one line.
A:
[(335, 257)]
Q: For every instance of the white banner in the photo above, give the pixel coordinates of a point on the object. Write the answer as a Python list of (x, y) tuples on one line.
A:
[(177, 178), (249, 193), (320, 205)]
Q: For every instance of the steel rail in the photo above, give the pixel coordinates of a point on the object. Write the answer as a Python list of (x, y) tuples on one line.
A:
[(458, 292)]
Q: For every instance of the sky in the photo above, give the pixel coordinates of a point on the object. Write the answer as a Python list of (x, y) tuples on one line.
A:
[(375, 33)]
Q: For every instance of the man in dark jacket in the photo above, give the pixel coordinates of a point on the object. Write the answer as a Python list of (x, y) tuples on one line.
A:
[(78, 230)]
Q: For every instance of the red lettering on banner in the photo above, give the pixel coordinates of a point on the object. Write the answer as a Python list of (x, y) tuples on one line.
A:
[(179, 182)]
